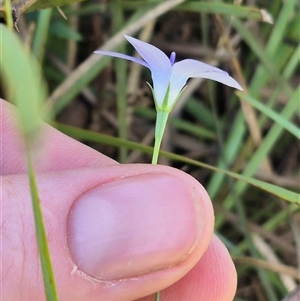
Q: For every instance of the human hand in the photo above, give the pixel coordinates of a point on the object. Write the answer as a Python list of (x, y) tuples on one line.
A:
[(115, 232)]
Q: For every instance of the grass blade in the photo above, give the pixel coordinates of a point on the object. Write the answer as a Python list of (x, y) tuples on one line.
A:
[(280, 192), (16, 66), (289, 126)]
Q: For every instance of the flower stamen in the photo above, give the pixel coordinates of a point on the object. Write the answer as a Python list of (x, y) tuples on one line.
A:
[(172, 58)]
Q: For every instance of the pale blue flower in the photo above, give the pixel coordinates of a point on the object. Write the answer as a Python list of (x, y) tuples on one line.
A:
[(168, 75)]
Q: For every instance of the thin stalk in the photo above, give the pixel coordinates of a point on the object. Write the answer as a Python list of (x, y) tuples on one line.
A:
[(160, 125), (8, 14), (41, 236), (161, 121), (157, 296)]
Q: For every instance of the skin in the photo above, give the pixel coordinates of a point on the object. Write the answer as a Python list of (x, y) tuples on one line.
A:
[(115, 232)]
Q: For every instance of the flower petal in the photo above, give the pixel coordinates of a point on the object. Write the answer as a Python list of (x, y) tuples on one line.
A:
[(159, 65), (185, 69), (122, 56), (154, 57)]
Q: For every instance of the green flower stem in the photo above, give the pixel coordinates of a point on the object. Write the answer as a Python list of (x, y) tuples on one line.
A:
[(157, 296), (161, 120), (160, 125)]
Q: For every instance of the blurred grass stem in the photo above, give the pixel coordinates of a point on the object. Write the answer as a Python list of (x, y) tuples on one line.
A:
[(8, 14), (48, 275)]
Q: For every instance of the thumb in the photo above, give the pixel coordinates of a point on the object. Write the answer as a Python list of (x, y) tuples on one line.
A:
[(115, 233)]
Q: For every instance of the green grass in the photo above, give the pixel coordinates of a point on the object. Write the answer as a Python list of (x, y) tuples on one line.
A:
[(241, 146)]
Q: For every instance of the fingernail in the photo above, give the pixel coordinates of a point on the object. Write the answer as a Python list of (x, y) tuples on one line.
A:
[(132, 226)]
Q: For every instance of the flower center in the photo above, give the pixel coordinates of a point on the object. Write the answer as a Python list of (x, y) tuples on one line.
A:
[(172, 58)]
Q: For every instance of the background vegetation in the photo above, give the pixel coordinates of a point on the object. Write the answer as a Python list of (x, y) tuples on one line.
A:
[(106, 104)]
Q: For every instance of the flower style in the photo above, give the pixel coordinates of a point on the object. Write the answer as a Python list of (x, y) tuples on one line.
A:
[(169, 77)]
